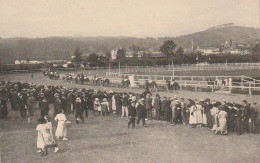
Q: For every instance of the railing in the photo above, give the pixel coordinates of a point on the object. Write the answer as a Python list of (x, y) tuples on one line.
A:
[(195, 86)]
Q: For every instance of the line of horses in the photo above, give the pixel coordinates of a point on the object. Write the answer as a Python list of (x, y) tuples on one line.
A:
[(103, 81)]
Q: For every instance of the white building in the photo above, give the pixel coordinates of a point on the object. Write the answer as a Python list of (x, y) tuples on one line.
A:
[(113, 54), (17, 62), (208, 50)]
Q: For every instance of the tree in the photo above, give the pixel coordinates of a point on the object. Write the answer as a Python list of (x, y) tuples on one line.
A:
[(121, 53), (256, 49), (78, 56), (180, 55), (93, 59), (108, 55), (168, 48)]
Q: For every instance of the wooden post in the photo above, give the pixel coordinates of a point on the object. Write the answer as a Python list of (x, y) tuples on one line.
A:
[(242, 82), (250, 90), (212, 88), (230, 89), (196, 88), (185, 83)]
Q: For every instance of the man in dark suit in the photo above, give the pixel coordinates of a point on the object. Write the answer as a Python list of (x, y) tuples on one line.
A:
[(141, 111), (78, 111), (245, 116), (132, 114)]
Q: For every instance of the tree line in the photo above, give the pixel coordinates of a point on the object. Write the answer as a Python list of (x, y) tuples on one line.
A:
[(172, 55)]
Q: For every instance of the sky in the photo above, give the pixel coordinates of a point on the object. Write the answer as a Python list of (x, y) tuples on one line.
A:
[(133, 18)]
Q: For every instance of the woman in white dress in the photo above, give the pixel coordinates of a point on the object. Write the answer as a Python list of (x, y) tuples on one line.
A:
[(50, 136), (198, 114), (113, 104), (41, 144), (97, 106), (192, 117), (222, 117), (61, 131), (214, 112)]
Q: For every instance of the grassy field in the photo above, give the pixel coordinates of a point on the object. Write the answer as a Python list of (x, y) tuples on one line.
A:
[(107, 139)]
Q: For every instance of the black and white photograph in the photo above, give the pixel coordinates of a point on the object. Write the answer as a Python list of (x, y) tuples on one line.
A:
[(129, 81)]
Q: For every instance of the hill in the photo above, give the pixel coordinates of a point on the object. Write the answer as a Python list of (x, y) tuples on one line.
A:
[(218, 36), (63, 47)]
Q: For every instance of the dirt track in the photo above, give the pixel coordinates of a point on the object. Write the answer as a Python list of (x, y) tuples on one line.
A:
[(39, 79)]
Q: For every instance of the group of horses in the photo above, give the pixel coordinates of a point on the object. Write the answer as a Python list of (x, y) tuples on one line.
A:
[(103, 81), (85, 80), (52, 75)]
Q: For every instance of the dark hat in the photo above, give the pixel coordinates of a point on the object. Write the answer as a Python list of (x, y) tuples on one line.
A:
[(244, 101)]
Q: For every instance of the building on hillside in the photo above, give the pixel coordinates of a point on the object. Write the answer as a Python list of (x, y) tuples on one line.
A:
[(129, 53), (35, 62), (207, 50), (21, 62), (237, 51), (17, 62)]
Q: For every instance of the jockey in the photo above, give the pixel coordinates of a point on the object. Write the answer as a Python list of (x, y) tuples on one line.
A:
[(172, 82)]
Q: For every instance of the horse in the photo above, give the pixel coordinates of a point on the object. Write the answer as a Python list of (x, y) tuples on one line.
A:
[(86, 80), (153, 86), (105, 82), (172, 85), (97, 81), (125, 83)]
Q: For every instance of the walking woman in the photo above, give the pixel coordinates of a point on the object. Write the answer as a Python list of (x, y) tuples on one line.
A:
[(45, 137), (51, 136), (61, 131), (41, 144)]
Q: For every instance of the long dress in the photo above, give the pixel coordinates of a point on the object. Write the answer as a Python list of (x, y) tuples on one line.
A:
[(222, 117), (40, 142), (61, 130), (113, 104), (192, 118), (198, 114), (214, 113), (44, 137)]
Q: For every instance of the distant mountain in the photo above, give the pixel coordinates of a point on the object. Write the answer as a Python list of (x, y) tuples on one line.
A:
[(218, 36), (63, 47)]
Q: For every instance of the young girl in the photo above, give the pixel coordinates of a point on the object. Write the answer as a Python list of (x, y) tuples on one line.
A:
[(61, 130), (41, 145), (50, 136)]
